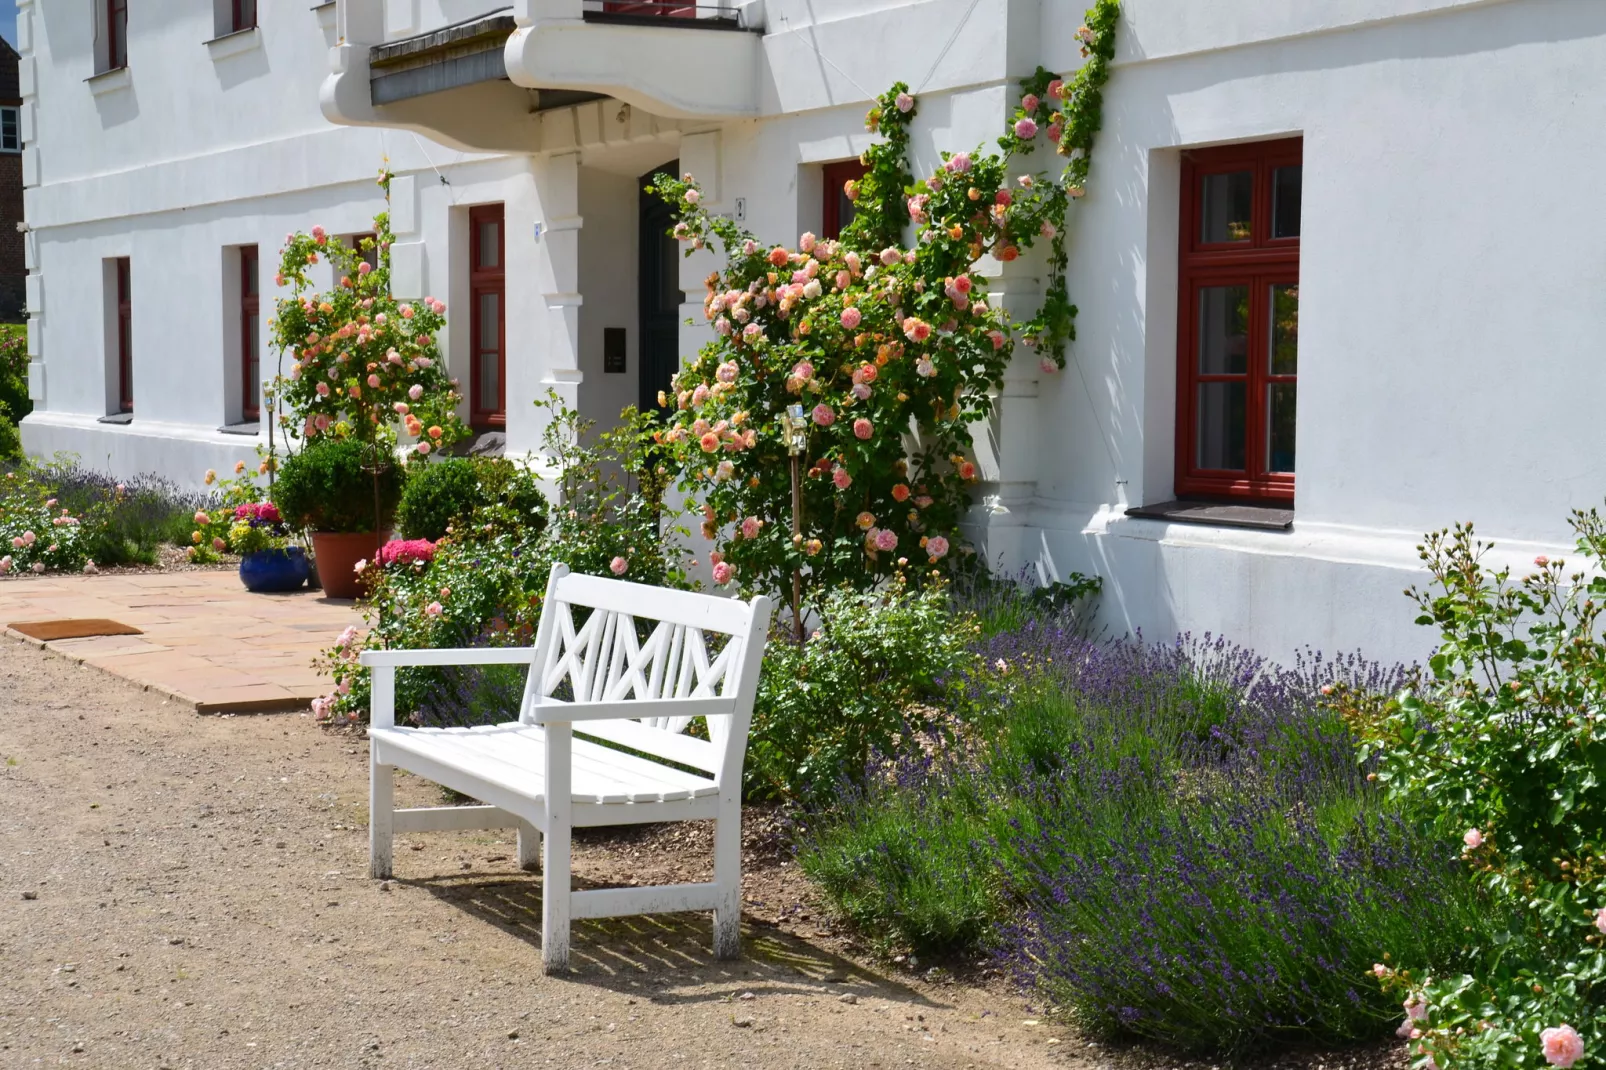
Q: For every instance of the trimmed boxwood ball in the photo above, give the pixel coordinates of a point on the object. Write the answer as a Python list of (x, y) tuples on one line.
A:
[(329, 486), (444, 492)]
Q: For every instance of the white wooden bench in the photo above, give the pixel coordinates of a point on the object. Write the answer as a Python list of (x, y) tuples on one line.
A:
[(534, 775)]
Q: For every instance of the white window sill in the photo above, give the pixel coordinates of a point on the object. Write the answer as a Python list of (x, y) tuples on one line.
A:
[(110, 81), (234, 44)]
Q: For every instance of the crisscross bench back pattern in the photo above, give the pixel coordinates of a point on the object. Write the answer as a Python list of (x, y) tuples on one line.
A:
[(638, 668)]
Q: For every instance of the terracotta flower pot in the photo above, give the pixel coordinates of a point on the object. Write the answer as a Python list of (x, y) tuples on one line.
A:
[(337, 556)]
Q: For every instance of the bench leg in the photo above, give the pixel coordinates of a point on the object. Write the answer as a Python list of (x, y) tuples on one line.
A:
[(728, 875), (555, 898), (529, 846), (381, 807)]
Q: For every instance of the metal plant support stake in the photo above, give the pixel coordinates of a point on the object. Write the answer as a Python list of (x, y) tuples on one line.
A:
[(795, 428)]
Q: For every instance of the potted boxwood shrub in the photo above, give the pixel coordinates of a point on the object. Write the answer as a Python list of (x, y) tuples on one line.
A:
[(332, 488), (268, 563)]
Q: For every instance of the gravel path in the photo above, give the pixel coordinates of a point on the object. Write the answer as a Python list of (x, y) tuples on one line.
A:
[(191, 892)]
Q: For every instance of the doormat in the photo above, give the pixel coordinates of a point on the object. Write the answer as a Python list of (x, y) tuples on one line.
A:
[(48, 631)]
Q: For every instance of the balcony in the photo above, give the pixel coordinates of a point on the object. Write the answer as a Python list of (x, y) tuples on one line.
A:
[(476, 83)]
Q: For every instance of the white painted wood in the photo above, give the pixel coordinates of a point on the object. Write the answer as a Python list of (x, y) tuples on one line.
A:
[(450, 818), (658, 899), (381, 783), (639, 670)]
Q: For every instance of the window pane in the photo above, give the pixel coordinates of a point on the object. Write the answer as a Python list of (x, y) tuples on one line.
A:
[(1280, 427), (1226, 207), (253, 358), (490, 251), (1285, 190), (1223, 330), (490, 355), (1221, 425), (1284, 330)]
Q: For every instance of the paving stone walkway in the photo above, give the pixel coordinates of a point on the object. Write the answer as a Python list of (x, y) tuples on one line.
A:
[(208, 641)]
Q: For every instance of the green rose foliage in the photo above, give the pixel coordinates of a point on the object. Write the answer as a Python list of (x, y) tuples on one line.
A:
[(884, 665), (891, 353), (362, 360), (1505, 748), (37, 534)]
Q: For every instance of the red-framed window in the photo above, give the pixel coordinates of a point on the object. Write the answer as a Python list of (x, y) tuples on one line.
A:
[(250, 334), (116, 34), (839, 208), (666, 8), (487, 316), (125, 336), (1238, 330), (244, 15)]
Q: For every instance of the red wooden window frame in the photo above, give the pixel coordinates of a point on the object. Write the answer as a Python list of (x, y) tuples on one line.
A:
[(665, 8), (116, 34), (125, 335), (371, 255), (250, 333), (483, 281), (1259, 262), (245, 15), (837, 176)]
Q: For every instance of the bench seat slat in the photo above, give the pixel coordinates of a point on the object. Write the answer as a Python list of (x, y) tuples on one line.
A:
[(513, 755)]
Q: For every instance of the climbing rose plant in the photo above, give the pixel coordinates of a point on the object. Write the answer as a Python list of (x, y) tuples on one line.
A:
[(892, 352), (364, 362)]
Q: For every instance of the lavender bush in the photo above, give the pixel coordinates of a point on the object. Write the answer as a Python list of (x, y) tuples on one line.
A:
[(1172, 841)]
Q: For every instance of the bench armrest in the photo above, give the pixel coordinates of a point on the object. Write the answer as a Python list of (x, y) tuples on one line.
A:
[(550, 712), (477, 655)]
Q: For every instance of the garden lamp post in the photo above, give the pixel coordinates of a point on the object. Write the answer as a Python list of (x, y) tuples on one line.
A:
[(795, 429)]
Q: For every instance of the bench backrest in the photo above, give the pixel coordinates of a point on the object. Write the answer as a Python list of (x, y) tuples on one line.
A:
[(605, 659)]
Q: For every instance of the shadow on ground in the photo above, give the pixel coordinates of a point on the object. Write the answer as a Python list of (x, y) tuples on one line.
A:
[(661, 951)]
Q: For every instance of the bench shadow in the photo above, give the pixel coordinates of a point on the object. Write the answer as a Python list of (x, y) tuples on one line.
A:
[(649, 956)]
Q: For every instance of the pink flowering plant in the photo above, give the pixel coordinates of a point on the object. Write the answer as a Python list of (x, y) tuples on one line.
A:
[(1504, 748), (365, 365), (215, 518), (871, 339), (37, 533)]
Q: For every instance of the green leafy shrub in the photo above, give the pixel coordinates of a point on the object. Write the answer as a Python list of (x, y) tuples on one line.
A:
[(881, 666), (37, 534), (448, 491), (1504, 747), (121, 521), (330, 485), (14, 400), (483, 583)]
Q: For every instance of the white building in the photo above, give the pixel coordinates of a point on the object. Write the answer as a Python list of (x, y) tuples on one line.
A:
[(1445, 255)]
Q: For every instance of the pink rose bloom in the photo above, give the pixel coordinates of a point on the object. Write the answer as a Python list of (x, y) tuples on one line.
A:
[(364, 268), (779, 256), (807, 242), (422, 448), (962, 284), (1541, 560), (1056, 87), (1047, 366), (219, 545), (5, 564), (415, 391), (916, 330), (936, 547), (722, 573), (38, 567), (840, 477), (401, 408), (699, 395), (1473, 839), (861, 391), (890, 256), (1415, 1010), (823, 415), (1054, 131), (997, 338), (803, 370), (1026, 129), (851, 318), (752, 331), (958, 164), (406, 312), (318, 233), (321, 421), (323, 390), (619, 566), (751, 526), (905, 103), (1029, 102), (862, 428), (373, 381), (200, 518), (886, 540), (434, 609), (1562, 1045), (749, 247)]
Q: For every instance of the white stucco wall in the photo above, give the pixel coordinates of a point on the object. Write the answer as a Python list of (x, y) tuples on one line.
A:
[(1450, 267)]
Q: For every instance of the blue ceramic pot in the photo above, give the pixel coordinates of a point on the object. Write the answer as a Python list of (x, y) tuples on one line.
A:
[(270, 571)]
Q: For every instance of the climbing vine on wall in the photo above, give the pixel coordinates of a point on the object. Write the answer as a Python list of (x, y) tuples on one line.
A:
[(892, 352)]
